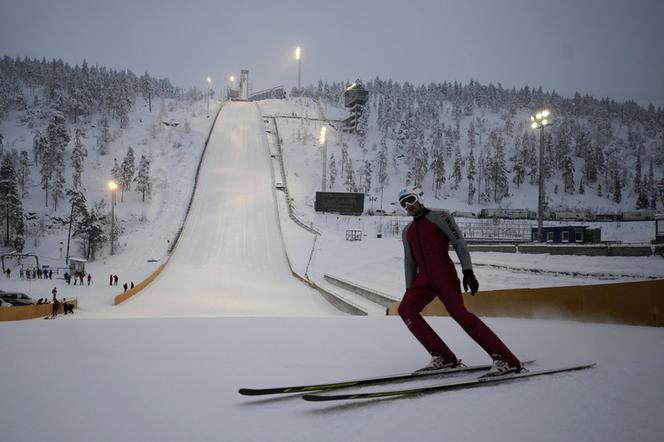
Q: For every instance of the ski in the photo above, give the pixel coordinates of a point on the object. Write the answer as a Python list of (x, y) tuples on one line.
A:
[(477, 382), (362, 382)]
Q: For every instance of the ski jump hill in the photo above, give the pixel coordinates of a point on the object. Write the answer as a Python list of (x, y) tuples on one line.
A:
[(230, 259)]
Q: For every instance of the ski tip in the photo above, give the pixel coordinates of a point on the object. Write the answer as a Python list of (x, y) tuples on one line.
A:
[(248, 392), (314, 398)]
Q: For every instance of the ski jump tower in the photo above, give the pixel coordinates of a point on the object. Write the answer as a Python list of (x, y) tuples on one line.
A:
[(355, 97), (244, 85)]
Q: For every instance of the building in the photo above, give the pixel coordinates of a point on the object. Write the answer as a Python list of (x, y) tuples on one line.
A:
[(568, 235), (355, 97), (659, 228)]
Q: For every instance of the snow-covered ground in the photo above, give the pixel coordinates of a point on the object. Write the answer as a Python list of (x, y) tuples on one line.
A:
[(177, 379), (173, 373)]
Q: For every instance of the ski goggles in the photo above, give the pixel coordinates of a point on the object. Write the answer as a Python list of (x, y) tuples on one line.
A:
[(408, 201)]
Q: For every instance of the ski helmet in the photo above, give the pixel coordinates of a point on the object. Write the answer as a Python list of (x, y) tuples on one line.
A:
[(409, 196)]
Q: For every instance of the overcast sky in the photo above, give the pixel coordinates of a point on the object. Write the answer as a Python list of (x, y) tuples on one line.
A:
[(606, 48)]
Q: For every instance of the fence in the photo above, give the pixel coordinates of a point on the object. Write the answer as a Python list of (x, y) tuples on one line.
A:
[(485, 229)]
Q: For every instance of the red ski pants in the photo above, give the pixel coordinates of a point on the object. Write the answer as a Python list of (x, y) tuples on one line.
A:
[(417, 297)]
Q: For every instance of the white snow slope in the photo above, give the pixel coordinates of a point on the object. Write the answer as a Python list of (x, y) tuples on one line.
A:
[(158, 370), (230, 259)]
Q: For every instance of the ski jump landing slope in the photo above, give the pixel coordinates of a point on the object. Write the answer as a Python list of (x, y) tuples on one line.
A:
[(230, 260)]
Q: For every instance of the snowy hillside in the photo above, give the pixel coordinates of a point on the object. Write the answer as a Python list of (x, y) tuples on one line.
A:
[(146, 228), (472, 146)]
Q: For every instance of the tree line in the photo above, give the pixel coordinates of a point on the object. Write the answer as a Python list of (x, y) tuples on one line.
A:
[(50, 94), (478, 137)]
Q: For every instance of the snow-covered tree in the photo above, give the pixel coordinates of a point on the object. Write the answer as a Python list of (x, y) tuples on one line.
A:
[(519, 162), (333, 171), (116, 172), (53, 160), (349, 182), (417, 160), (78, 155), (147, 89), (91, 229), (127, 171), (471, 177), (366, 173), (11, 209), (23, 173), (457, 172), (104, 136), (143, 179), (568, 174), (381, 165), (498, 167), (637, 175)]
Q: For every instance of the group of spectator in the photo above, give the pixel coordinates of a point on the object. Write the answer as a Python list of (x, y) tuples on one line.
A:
[(33, 273), (67, 307), (78, 277), (113, 280)]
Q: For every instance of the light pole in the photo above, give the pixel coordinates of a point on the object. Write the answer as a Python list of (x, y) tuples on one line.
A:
[(540, 121), (298, 57), (112, 185), (208, 97), (322, 140), (232, 79)]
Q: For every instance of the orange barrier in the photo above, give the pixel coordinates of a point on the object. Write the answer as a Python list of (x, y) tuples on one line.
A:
[(634, 303), (24, 312), (140, 286)]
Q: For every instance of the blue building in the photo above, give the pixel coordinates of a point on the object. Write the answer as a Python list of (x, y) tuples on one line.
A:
[(568, 234)]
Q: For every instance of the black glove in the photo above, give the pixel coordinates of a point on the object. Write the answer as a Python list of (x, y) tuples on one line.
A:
[(469, 280)]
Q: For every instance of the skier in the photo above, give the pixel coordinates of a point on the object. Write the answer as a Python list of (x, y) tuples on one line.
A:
[(431, 273), (56, 303)]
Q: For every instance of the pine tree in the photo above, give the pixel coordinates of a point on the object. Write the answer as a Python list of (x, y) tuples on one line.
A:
[(519, 160), (143, 180), (652, 194), (438, 161), (116, 172), (77, 213), (532, 165), (11, 209), (104, 136), (350, 177), (38, 143), (637, 175), (568, 174), (642, 201), (617, 188), (45, 172), (78, 155), (91, 229), (363, 128), (127, 171), (456, 174), (344, 158), (53, 159), (147, 89), (381, 164), (498, 167), (366, 187), (418, 160), (333, 172), (471, 177), (23, 173)]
